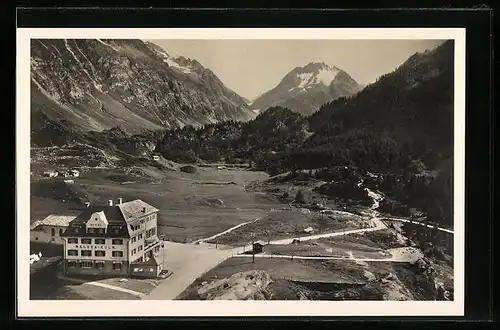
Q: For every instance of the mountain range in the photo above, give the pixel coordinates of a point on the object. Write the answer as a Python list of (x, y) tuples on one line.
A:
[(98, 84), (128, 98), (414, 103), (128, 87), (304, 89), (400, 127)]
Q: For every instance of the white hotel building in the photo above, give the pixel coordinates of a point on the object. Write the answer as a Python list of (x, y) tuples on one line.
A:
[(107, 240)]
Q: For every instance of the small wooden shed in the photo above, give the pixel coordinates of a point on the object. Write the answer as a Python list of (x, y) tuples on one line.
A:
[(258, 246)]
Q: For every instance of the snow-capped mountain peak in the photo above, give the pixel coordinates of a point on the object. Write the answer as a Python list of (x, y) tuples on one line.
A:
[(314, 73), (306, 88)]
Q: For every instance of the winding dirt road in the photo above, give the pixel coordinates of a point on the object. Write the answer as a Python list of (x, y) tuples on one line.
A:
[(225, 232), (189, 261), (449, 231), (397, 255)]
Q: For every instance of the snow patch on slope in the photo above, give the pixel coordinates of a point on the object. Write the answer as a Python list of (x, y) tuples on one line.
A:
[(42, 44), (305, 79), (308, 79), (167, 59), (176, 65), (326, 76), (96, 85), (106, 44), (165, 55)]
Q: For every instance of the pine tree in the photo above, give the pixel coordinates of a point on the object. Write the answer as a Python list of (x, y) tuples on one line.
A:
[(300, 198)]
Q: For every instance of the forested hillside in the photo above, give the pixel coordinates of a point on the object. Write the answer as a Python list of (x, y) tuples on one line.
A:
[(400, 128)]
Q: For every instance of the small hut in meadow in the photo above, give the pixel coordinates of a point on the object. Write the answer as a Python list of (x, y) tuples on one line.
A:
[(258, 246)]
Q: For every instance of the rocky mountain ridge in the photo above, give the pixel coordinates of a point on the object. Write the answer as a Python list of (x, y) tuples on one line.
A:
[(98, 84), (305, 89)]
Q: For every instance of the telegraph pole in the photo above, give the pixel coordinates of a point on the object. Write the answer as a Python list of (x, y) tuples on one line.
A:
[(163, 255), (253, 247)]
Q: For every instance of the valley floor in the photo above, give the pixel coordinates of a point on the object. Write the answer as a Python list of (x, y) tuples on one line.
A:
[(207, 219)]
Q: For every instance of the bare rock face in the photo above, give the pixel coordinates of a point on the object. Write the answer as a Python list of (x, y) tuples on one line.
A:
[(97, 84)]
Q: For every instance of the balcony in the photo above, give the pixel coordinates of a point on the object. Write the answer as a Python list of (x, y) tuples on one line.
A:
[(151, 241)]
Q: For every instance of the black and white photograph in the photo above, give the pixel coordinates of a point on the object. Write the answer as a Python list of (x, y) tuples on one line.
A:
[(321, 167)]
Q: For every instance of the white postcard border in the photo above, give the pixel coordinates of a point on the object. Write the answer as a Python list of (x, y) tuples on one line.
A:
[(43, 308)]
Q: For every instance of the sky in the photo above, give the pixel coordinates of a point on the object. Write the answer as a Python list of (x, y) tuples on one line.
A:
[(252, 67)]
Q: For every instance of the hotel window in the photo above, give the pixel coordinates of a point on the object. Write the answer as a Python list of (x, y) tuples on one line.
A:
[(139, 236), (100, 241), (117, 266), (60, 232), (73, 240), (52, 231), (100, 253), (117, 241), (99, 264), (133, 240), (86, 253), (90, 230), (100, 231), (140, 248), (153, 231), (117, 254), (72, 252), (86, 264), (72, 264), (86, 241)]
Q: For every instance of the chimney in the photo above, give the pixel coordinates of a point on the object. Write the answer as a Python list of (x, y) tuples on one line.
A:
[(110, 202), (120, 201), (87, 204)]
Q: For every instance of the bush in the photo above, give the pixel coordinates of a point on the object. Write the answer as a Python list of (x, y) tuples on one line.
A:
[(393, 207), (300, 198), (188, 169), (345, 191)]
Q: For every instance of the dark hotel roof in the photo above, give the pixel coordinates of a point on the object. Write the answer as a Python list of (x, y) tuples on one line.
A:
[(115, 215), (115, 219)]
